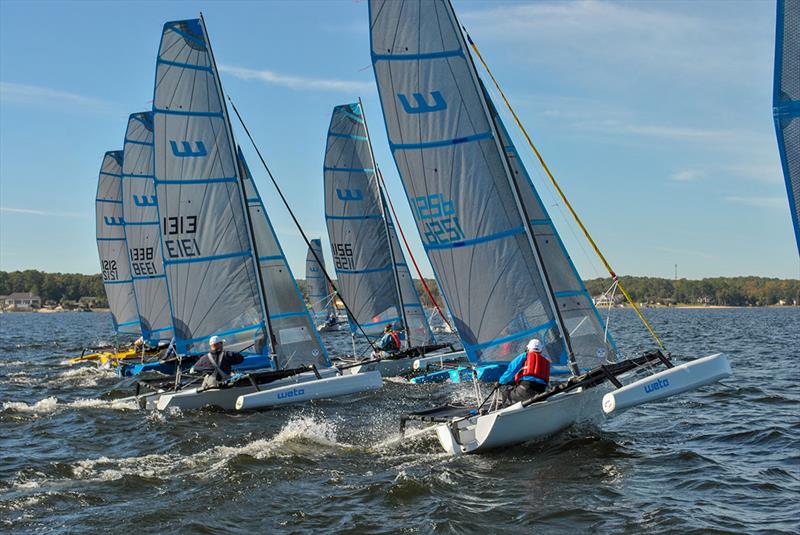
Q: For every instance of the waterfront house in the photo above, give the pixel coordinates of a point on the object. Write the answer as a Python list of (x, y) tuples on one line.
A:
[(21, 301)]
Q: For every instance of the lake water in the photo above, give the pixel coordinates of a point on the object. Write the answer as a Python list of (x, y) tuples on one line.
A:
[(725, 459)]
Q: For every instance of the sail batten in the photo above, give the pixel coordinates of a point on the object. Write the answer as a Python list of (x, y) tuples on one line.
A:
[(373, 276), (786, 102), (211, 272), (481, 224), (112, 246)]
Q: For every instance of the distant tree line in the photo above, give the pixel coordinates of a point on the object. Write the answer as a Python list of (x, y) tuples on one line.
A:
[(720, 291), (726, 291), (56, 287)]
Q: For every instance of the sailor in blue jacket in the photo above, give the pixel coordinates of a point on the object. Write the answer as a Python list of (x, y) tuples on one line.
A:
[(526, 376)]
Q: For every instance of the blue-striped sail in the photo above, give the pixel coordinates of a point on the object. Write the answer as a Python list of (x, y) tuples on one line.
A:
[(298, 343), (141, 230), (365, 266), (214, 288), (786, 102), (111, 245), (495, 254), (320, 296)]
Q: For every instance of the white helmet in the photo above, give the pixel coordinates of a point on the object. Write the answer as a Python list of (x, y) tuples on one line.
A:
[(534, 345), (214, 340)]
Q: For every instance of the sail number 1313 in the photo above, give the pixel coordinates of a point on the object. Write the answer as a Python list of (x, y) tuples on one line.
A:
[(185, 227)]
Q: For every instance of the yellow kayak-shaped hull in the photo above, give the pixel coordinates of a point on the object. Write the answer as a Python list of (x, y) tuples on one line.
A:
[(112, 358)]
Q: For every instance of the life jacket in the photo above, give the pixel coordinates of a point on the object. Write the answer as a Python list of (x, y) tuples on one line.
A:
[(395, 339), (536, 366)]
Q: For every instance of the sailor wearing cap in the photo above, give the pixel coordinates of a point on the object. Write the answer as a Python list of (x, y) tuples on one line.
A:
[(216, 364), (527, 375)]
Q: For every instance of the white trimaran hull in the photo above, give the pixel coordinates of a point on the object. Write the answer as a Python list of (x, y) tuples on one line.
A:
[(395, 367), (517, 424), (296, 389)]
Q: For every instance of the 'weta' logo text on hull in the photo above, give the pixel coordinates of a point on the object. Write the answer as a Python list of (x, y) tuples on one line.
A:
[(657, 385), (291, 393)]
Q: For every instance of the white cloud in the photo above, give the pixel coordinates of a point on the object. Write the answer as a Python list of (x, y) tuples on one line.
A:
[(688, 175), (297, 82), (31, 211), (38, 95), (760, 202), (649, 36)]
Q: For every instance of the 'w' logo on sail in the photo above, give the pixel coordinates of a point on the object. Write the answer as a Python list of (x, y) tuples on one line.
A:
[(113, 221), (144, 200), (187, 151), (349, 194), (422, 103)]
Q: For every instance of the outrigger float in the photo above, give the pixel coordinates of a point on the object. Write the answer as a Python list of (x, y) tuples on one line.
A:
[(253, 390), (496, 254)]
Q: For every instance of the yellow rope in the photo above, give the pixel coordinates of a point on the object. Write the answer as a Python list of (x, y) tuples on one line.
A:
[(564, 198)]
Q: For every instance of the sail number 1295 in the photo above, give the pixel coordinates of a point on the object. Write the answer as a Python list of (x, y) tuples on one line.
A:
[(438, 219)]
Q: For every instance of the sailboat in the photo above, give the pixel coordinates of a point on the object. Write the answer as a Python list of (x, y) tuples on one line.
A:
[(140, 226), (320, 295), (496, 255), (112, 248), (372, 273), (226, 273), (141, 231), (785, 103)]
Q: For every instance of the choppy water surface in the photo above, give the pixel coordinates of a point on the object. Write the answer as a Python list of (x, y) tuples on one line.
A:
[(722, 460)]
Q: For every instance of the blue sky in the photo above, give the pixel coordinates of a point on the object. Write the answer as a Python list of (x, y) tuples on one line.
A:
[(655, 117)]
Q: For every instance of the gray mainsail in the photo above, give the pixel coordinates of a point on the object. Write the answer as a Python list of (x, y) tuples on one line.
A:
[(786, 102), (211, 273), (354, 214), (141, 230), (470, 212), (298, 343), (111, 245), (319, 295)]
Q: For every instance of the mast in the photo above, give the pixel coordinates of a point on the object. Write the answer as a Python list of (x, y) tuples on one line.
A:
[(517, 199), (389, 240), (262, 295)]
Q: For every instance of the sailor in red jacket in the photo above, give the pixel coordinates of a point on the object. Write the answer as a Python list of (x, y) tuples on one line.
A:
[(527, 375), (390, 341)]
